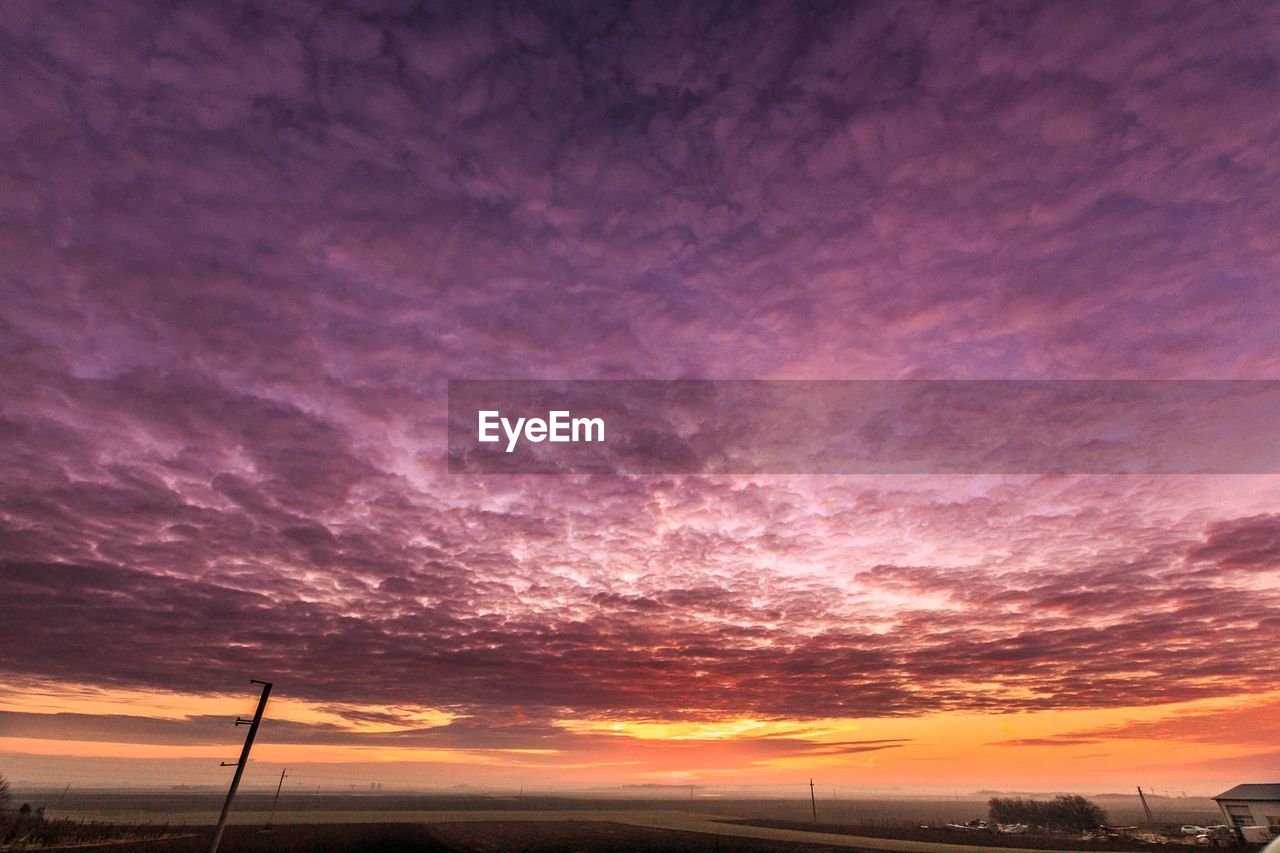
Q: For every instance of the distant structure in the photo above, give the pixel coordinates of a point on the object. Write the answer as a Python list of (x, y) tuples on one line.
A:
[(275, 802), (1253, 805)]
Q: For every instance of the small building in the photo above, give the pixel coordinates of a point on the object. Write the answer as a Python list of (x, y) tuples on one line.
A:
[(1252, 805)]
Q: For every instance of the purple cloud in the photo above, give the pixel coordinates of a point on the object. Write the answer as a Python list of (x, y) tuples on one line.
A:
[(244, 247)]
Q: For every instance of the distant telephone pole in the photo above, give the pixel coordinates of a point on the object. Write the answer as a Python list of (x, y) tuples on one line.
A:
[(1146, 808), (274, 802), (244, 759), (813, 801)]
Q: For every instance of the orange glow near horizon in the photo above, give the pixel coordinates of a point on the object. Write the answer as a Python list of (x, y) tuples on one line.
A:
[(1173, 744)]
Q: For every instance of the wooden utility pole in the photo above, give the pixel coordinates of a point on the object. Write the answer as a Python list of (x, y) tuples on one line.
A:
[(276, 801), (244, 759), (813, 801), (1146, 808)]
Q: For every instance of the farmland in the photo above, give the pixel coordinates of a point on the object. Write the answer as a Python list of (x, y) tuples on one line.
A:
[(179, 821), (471, 837)]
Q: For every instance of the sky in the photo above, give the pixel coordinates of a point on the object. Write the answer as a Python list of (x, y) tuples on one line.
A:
[(244, 247)]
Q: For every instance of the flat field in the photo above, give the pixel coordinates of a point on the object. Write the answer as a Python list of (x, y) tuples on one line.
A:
[(331, 823), (473, 837), (201, 807)]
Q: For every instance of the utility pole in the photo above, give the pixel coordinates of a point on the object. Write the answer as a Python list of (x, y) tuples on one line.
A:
[(244, 759), (813, 801), (274, 802), (1146, 808)]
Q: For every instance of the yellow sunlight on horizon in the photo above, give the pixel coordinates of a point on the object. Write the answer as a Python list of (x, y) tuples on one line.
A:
[(942, 748)]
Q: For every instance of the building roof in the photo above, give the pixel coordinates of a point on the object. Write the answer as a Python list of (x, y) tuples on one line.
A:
[(1266, 791)]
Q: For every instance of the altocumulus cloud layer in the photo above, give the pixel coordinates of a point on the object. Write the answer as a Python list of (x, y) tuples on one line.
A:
[(245, 245)]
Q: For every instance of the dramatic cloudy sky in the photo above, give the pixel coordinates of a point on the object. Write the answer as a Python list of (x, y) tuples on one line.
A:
[(244, 246)]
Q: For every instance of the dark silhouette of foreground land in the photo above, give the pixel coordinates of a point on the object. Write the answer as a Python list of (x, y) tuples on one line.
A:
[(941, 835), (549, 824), (200, 807), (472, 837)]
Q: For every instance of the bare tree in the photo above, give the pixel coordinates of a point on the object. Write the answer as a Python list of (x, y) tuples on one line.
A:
[(1064, 813), (5, 795)]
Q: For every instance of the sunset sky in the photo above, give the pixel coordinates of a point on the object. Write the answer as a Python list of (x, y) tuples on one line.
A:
[(244, 247)]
